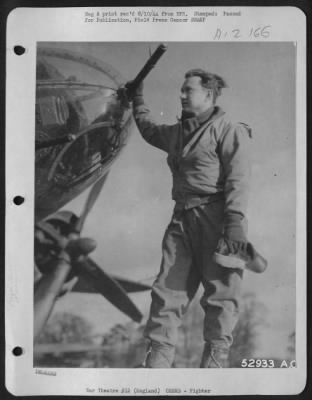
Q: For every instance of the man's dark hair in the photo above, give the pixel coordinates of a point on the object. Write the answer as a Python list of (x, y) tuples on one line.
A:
[(208, 80)]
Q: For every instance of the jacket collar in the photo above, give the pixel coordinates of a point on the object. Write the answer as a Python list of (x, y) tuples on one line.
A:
[(191, 123), (198, 125)]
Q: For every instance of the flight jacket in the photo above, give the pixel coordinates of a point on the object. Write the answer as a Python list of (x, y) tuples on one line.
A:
[(214, 162)]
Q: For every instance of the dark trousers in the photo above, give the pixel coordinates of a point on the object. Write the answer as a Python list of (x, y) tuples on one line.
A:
[(188, 245)]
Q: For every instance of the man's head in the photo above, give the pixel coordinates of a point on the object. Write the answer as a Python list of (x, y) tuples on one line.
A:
[(200, 90)]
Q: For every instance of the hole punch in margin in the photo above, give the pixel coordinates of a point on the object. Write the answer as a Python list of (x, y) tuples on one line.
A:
[(17, 351), (19, 50), (18, 200)]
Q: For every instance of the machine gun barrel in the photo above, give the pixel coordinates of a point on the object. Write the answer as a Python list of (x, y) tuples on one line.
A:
[(150, 64)]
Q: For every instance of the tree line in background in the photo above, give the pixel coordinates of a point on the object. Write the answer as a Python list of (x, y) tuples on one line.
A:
[(124, 346)]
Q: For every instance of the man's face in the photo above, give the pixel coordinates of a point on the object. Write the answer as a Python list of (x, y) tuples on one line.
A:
[(194, 97)]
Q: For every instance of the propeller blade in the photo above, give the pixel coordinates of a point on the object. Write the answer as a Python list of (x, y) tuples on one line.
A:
[(93, 196), (83, 286), (108, 287), (131, 286), (47, 290)]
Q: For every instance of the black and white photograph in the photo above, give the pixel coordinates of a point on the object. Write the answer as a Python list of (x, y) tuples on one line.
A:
[(191, 246), (165, 208)]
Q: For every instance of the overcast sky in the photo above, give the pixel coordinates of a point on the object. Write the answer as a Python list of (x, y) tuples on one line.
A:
[(129, 219)]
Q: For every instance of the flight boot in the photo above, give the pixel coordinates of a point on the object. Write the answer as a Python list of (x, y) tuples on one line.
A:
[(159, 355), (214, 357)]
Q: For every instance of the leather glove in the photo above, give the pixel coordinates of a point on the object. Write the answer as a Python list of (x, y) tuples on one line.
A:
[(228, 247), (135, 95), (136, 92), (239, 258), (234, 231), (234, 243), (127, 94)]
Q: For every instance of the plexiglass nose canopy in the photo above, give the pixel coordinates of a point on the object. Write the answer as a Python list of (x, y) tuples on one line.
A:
[(81, 125)]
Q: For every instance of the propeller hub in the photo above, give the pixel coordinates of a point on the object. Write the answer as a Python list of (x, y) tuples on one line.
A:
[(80, 247)]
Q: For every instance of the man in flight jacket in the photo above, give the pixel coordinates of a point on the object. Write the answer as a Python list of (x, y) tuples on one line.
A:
[(209, 159)]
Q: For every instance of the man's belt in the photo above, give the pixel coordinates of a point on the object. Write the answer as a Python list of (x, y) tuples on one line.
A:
[(188, 202)]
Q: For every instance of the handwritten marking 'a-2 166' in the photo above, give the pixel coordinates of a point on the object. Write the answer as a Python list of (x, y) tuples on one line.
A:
[(261, 32)]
